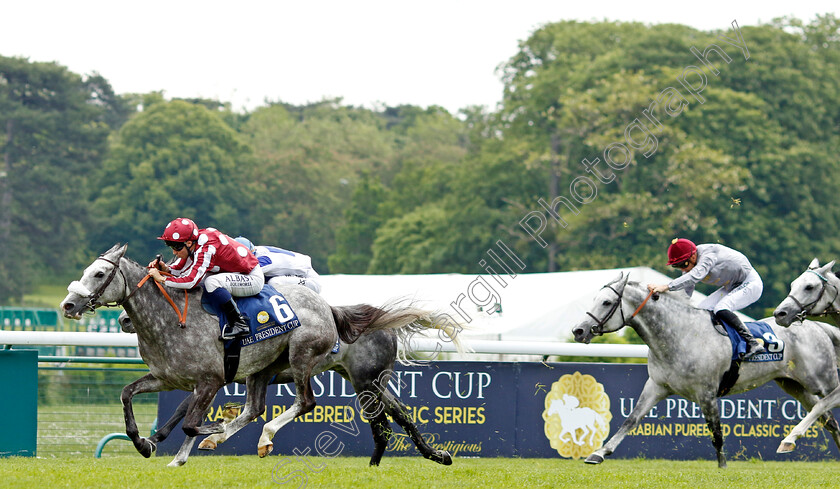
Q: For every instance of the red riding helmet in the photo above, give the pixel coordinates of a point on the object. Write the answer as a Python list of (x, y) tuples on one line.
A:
[(681, 249), (180, 230)]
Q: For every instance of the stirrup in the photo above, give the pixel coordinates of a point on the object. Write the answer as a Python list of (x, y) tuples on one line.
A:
[(752, 351), (233, 332)]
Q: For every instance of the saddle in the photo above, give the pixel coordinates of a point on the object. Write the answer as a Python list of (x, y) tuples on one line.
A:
[(268, 314), (774, 349)]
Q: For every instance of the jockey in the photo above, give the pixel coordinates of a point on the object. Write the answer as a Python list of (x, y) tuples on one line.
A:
[(215, 261), (284, 267), (714, 264)]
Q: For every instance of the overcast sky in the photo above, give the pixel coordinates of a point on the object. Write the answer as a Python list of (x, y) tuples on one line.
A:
[(368, 52)]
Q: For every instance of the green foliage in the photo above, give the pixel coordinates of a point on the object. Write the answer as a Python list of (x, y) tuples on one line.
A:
[(174, 159), (54, 127)]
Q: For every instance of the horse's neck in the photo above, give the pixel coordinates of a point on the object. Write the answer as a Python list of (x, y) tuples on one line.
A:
[(834, 307), (667, 330)]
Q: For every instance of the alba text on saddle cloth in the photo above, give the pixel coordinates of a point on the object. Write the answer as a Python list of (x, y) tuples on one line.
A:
[(637, 134)]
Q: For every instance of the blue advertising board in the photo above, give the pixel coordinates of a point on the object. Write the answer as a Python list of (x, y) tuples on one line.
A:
[(477, 409)]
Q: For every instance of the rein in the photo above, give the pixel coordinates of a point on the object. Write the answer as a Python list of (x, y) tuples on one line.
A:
[(93, 298)]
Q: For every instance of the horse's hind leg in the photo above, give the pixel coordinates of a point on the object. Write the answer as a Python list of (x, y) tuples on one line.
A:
[(147, 383), (302, 363), (256, 387), (400, 414), (163, 431), (381, 434), (651, 394), (183, 452), (203, 396)]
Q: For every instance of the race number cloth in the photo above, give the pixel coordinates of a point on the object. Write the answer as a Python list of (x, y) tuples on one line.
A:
[(268, 313), (773, 346)]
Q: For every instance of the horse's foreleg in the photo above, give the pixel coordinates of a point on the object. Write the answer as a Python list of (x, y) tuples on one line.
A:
[(147, 383), (400, 414), (650, 396), (712, 415), (163, 431), (202, 397), (822, 407)]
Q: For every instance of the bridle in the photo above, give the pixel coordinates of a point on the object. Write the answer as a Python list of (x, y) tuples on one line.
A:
[(806, 308), (597, 330), (93, 298)]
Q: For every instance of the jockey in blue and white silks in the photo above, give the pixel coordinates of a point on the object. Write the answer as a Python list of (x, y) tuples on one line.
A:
[(715, 264), (284, 267)]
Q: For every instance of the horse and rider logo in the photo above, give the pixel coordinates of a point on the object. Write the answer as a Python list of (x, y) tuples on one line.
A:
[(577, 415)]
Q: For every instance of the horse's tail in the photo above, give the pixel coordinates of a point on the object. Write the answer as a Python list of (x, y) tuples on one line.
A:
[(834, 334), (353, 321)]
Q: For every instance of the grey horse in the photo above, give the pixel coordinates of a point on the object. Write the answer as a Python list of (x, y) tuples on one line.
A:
[(814, 293), (688, 358), (367, 364), (190, 358)]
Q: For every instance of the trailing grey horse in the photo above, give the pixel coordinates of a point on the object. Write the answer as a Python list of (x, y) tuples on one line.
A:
[(688, 358), (814, 293), (190, 358), (367, 364)]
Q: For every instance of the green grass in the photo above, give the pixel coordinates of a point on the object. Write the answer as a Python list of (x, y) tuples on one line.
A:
[(404, 473)]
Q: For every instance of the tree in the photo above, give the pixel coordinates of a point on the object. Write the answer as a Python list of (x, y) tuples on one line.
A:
[(55, 126), (174, 159)]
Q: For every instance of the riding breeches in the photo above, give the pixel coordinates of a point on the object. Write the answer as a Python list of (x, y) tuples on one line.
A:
[(237, 284), (310, 281), (736, 299)]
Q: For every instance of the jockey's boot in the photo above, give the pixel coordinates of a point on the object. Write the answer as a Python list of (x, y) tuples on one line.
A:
[(236, 326), (754, 347)]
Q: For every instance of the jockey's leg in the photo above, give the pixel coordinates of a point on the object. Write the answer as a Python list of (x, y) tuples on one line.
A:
[(221, 291), (753, 346)]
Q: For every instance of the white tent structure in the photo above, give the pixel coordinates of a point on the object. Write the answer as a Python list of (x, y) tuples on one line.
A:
[(531, 307)]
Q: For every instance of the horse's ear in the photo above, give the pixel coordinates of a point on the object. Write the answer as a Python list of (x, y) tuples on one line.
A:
[(815, 263), (617, 280), (827, 267), (116, 252)]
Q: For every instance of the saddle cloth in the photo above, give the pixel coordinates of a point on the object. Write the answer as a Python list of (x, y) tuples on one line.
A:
[(774, 348), (268, 314)]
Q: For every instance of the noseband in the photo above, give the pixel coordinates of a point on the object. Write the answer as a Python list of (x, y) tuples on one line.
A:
[(806, 308)]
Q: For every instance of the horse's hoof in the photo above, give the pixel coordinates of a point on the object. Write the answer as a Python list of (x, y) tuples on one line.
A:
[(207, 444), (444, 458), (786, 447), (265, 450), (176, 463), (146, 448), (594, 459)]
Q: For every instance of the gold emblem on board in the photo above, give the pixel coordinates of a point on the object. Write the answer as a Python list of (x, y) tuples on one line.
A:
[(577, 415)]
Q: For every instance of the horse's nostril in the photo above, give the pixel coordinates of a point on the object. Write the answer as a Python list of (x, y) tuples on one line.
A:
[(68, 306), (780, 314), (577, 331)]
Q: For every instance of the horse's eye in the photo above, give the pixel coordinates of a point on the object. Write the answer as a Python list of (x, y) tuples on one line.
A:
[(99, 274), (606, 303), (809, 287)]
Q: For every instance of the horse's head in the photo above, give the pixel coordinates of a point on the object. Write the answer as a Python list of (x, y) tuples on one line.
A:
[(813, 292), (97, 286), (125, 323), (601, 317)]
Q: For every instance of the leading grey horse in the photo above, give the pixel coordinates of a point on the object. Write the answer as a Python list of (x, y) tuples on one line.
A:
[(367, 364), (814, 293), (688, 358), (190, 358)]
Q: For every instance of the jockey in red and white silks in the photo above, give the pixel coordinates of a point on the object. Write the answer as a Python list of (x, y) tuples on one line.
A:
[(218, 261), (215, 261)]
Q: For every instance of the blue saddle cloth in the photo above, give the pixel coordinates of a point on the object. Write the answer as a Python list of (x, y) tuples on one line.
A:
[(774, 348), (268, 314)]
